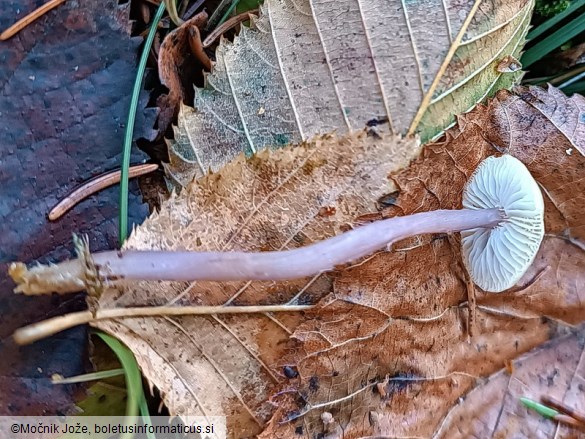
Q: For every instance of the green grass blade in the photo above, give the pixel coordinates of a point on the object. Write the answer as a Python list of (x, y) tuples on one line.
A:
[(123, 221), (136, 400), (539, 30), (556, 39), (131, 371), (229, 11), (171, 6), (143, 406), (575, 87), (217, 15), (541, 409)]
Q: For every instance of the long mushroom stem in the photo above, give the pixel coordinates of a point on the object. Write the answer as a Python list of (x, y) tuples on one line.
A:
[(275, 265)]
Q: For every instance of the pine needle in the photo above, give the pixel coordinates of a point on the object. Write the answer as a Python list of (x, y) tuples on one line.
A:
[(94, 376)]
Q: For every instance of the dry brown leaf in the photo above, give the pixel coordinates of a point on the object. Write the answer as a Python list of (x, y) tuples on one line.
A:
[(571, 57), (404, 330), (493, 408), (181, 57), (386, 353), (224, 365)]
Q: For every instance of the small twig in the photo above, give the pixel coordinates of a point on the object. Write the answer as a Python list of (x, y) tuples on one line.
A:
[(430, 91), (46, 328), (93, 376), (471, 307), (25, 21), (561, 407), (94, 185), (223, 28), (569, 420)]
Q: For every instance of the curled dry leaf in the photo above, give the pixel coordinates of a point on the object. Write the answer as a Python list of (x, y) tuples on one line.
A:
[(386, 351), (181, 54), (314, 67), (571, 57)]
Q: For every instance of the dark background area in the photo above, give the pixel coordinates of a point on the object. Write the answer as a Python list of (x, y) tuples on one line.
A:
[(65, 86)]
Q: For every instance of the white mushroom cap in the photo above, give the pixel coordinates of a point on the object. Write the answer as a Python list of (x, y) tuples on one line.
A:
[(497, 258)]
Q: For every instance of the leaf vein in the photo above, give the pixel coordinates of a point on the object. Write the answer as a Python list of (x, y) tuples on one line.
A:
[(483, 67), (282, 73), (329, 67)]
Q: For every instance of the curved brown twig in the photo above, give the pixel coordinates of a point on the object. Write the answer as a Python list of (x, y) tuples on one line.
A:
[(223, 28)]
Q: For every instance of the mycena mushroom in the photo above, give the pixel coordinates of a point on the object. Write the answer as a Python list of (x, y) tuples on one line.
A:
[(501, 223), (497, 257)]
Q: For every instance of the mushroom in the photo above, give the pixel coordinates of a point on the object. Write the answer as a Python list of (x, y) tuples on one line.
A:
[(502, 224), (497, 257)]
